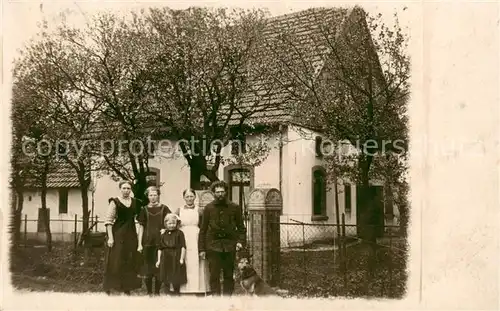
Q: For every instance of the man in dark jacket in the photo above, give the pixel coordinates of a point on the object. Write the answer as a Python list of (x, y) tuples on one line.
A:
[(222, 234)]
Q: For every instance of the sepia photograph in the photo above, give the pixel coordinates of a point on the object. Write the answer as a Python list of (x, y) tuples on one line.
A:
[(211, 151), (260, 155)]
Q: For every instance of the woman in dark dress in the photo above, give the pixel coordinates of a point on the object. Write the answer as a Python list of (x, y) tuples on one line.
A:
[(150, 223), (121, 258), (171, 255)]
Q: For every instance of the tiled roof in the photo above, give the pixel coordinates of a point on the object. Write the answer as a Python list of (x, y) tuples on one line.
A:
[(304, 27), (61, 176)]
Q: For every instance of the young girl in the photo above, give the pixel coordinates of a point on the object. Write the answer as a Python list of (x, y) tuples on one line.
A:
[(150, 221), (171, 255)]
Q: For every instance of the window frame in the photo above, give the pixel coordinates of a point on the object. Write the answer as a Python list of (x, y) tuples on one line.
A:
[(239, 184), (63, 196), (323, 214), (347, 198), (235, 167), (318, 141), (153, 171), (238, 139)]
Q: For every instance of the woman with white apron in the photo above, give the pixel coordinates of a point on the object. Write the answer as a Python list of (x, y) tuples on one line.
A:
[(196, 267)]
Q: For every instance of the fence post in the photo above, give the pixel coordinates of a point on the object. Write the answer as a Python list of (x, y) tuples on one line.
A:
[(264, 207), (390, 264), (25, 229), (344, 249), (96, 223), (76, 227), (344, 253)]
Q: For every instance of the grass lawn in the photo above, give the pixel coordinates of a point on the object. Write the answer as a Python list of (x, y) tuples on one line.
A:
[(35, 269), (304, 274), (319, 273), (40, 284)]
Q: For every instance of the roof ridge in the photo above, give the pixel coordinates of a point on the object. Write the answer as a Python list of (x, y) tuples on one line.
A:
[(308, 11)]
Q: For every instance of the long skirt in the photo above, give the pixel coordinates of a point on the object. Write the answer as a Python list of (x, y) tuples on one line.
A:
[(122, 262)]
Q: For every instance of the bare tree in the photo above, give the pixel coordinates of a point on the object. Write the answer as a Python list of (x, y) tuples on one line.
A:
[(348, 74), (92, 77), (20, 163), (208, 82), (52, 71), (39, 155)]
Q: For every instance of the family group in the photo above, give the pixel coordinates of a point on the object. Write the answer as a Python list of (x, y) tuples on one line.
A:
[(182, 250)]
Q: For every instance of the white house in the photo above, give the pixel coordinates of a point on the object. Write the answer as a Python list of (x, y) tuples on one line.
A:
[(293, 167)]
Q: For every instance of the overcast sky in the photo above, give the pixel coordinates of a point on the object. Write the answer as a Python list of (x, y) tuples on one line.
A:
[(21, 17)]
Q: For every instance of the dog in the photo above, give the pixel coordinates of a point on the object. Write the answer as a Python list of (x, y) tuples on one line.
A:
[(250, 280)]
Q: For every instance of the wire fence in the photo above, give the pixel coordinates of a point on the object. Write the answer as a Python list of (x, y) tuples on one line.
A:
[(323, 260), (342, 260), (314, 259), (62, 230)]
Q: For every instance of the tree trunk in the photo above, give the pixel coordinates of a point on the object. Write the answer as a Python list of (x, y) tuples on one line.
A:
[(139, 189), (13, 200), (368, 228), (84, 191), (17, 209), (195, 178), (388, 202), (198, 168), (337, 209), (46, 216), (403, 219), (365, 220), (368, 223), (46, 219), (211, 175), (84, 181)]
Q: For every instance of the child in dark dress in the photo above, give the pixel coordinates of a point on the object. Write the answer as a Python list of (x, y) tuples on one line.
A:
[(171, 255)]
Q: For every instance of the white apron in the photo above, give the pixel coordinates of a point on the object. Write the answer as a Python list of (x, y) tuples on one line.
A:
[(196, 268)]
